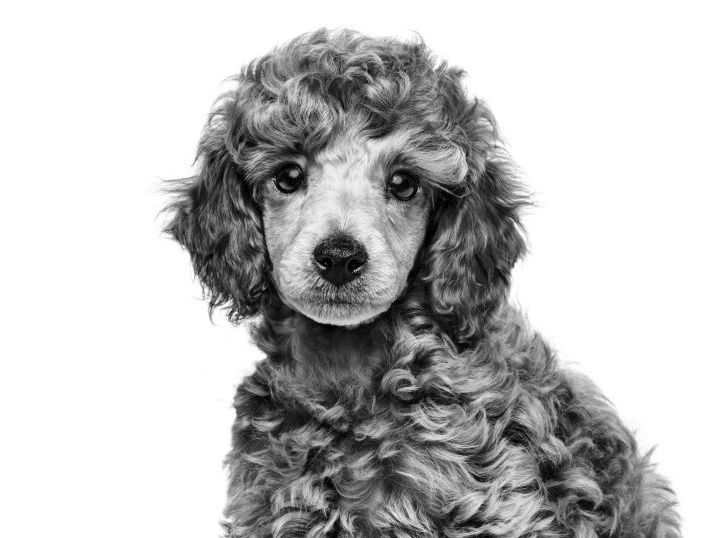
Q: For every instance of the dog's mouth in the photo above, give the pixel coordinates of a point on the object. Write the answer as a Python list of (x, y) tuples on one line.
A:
[(342, 313), (356, 292), (352, 304)]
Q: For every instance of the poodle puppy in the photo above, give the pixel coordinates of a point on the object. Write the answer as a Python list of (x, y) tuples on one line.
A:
[(358, 206)]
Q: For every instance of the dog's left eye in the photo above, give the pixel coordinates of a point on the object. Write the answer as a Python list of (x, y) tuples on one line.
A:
[(288, 178), (402, 186)]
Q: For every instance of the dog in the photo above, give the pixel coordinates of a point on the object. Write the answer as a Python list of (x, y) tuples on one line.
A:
[(358, 208)]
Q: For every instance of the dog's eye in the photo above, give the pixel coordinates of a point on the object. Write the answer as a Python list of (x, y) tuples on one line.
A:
[(288, 178), (402, 186)]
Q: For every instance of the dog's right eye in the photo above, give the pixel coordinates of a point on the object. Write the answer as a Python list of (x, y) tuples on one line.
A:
[(402, 185), (289, 178)]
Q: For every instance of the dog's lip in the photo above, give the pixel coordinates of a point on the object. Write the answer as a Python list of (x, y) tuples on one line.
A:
[(342, 312), (336, 301), (328, 294), (338, 297)]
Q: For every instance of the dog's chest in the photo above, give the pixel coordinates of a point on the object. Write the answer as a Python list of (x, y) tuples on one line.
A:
[(386, 471), (378, 471), (420, 465)]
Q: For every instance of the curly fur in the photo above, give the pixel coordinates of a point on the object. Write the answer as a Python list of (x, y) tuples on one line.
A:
[(445, 416)]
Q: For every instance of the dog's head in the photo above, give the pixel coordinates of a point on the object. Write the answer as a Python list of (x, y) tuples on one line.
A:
[(341, 169)]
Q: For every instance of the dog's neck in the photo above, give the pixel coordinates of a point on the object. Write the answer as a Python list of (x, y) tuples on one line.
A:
[(324, 362), (337, 356)]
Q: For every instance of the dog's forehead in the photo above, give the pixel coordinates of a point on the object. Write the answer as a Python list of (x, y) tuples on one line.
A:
[(354, 154)]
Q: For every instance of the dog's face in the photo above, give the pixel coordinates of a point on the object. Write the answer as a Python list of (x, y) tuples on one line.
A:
[(337, 164), (343, 228)]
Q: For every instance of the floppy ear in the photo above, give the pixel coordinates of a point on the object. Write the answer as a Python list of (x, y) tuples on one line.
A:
[(474, 235), (216, 218)]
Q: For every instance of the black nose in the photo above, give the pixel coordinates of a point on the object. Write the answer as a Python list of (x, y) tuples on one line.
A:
[(339, 259)]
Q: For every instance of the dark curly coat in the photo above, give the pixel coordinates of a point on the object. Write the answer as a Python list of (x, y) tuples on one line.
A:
[(447, 415)]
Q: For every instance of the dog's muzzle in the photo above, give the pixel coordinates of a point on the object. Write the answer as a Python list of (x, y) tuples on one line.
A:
[(340, 259)]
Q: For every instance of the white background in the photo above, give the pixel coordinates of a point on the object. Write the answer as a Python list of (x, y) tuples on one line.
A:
[(116, 389)]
